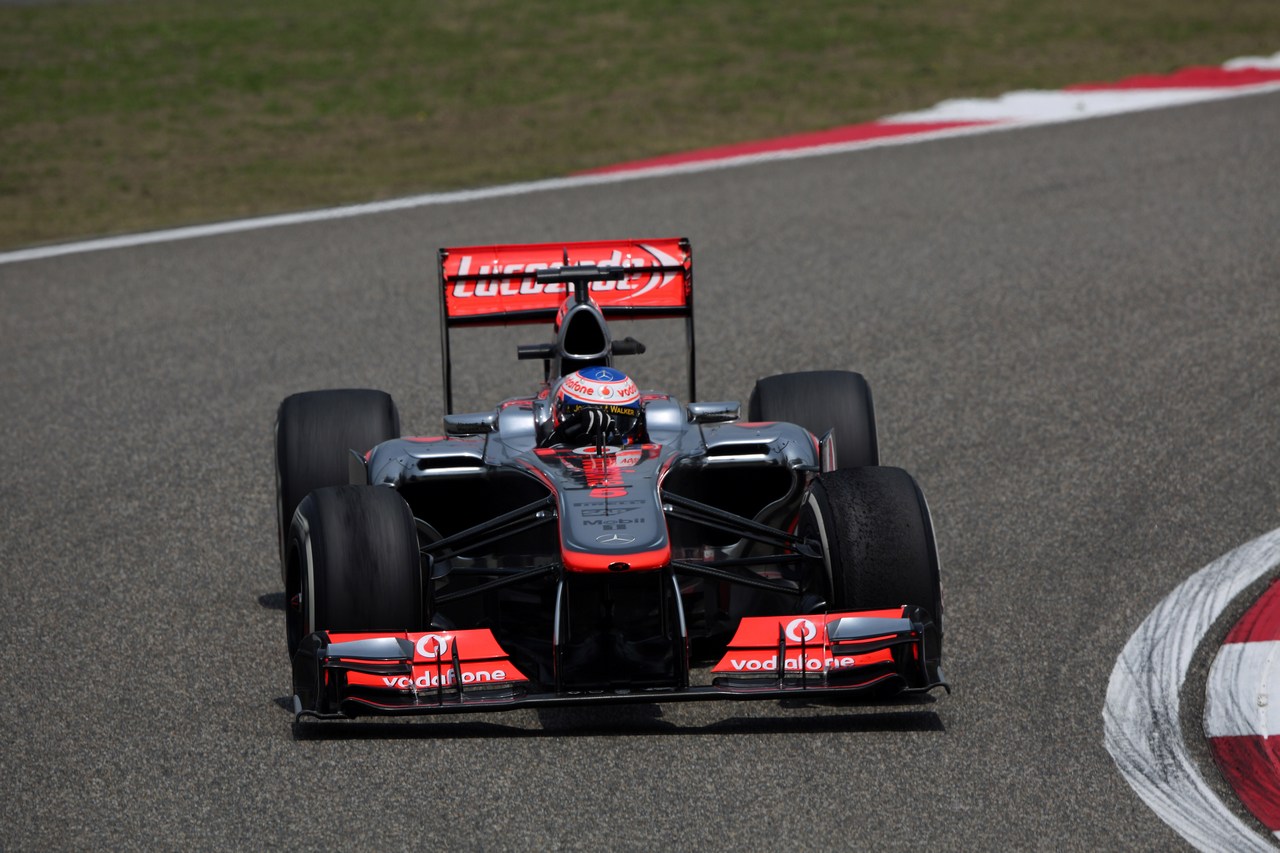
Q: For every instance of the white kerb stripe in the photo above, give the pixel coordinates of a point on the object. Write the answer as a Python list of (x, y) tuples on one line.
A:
[(1037, 106), (1264, 62), (1239, 699)]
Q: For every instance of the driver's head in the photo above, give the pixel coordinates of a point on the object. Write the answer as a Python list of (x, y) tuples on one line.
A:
[(594, 400)]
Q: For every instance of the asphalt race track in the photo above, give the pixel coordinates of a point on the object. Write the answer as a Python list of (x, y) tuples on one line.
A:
[(1073, 334)]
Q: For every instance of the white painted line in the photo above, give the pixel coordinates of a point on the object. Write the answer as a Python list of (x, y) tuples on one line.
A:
[(461, 196), (233, 226), (1140, 719), (1239, 699)]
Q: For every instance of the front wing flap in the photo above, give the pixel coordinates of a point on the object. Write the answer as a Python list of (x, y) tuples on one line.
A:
[(344, 673), (337, 675), (856, 649)]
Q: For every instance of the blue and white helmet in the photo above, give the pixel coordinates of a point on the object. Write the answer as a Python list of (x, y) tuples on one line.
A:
[(603, 389)]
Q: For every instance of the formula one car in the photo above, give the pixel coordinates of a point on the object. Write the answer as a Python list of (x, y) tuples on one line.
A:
[(592, 542)]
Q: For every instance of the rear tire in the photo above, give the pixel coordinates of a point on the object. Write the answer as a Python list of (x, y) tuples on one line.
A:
[(315, 432), (878, 545), (352, 564), (819, 401)]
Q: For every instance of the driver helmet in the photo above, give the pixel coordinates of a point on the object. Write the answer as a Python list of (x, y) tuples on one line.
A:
[(606, 390)]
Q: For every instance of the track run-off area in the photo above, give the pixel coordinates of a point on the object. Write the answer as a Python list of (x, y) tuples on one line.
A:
[(1070, 333)]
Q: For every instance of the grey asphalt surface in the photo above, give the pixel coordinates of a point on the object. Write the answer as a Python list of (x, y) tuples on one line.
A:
[(1073, 334)]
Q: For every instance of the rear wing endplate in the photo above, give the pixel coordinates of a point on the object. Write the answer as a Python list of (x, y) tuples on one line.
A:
[(500, 286)]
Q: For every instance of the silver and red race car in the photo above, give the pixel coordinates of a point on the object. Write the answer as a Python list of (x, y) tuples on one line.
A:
[(593, 542)]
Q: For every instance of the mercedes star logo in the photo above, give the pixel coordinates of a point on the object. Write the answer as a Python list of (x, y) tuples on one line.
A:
[(610, 538)]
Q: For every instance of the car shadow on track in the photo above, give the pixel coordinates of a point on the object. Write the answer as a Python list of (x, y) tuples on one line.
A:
[(641, 720)]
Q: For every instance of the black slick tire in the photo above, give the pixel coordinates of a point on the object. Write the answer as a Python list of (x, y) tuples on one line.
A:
[(877, 540), (315, 434), (819, 401), (352, 564)]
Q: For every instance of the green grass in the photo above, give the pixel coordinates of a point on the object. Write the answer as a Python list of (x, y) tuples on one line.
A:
[(121, 115)]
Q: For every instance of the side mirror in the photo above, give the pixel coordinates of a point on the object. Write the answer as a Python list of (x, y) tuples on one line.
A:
[(476, 423), (714, 413)]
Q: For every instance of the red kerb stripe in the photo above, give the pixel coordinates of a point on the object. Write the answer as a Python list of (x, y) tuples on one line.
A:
[(1262, 621), (834, 136), (1206, 77), (1251, 765)]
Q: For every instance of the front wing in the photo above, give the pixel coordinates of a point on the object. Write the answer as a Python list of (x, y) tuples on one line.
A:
[(337, 675)]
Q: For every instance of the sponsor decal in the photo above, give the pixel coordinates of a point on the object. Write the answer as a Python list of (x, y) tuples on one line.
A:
[(602, 514), (604, 475), (615, 539), (487, 280), (754, 647), (432, 676), (528, 285), (432, 646), (443, 678), (801, 630), (613, 455), (609, 449), (607, 476), (817, 660), (764, 662), (617, 389), (481, 661)]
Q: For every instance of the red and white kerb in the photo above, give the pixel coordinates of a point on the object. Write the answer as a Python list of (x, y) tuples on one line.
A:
[(1242, 709)]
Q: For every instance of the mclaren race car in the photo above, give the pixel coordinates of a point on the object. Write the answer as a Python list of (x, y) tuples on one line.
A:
[(594, 542)]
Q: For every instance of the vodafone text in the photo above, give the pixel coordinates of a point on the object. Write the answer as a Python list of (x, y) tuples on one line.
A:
[(626, 391), (811, 664), (445, 679)]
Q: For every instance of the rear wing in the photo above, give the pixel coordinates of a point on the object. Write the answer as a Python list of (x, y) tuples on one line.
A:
[(519, 284)]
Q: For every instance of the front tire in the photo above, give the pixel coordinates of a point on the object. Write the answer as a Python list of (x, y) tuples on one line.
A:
[(819, 401), (315, 432), (877, 540), (352, 564)]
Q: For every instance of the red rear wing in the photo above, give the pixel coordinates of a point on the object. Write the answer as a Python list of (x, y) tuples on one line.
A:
[(500, 286), (497, 285)]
